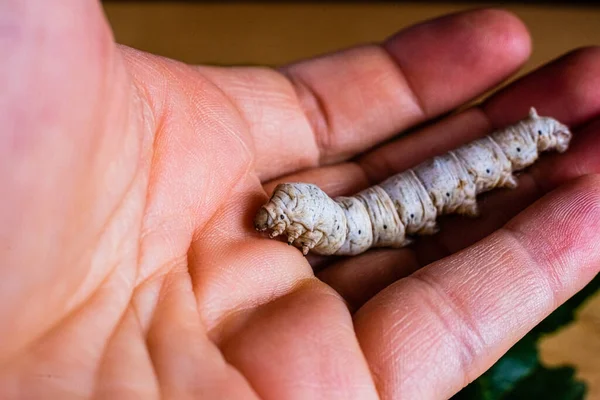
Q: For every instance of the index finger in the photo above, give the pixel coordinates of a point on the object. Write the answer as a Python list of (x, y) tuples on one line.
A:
[(338, 105), (456, 317), (358, 98)]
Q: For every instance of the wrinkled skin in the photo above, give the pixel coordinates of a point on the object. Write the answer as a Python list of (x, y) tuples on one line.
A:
[(130, 266)]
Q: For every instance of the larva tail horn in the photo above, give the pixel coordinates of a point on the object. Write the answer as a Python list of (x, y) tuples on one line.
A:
[(533, 113)]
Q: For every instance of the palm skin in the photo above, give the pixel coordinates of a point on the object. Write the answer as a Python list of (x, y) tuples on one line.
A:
[(130, 268)]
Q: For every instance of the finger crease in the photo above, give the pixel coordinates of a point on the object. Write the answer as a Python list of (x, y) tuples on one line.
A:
[(412, 92), (537, 260), (469, 340), (316, 113)]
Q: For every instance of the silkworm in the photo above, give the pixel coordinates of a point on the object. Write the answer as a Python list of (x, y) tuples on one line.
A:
[(406, 205)]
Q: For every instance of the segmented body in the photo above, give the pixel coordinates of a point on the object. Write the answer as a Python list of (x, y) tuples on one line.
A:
[(408, 204)]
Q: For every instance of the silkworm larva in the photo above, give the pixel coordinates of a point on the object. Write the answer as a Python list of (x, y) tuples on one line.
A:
[(407, 204)]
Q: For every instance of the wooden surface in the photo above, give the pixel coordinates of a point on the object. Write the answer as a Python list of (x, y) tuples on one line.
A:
[(275, 34)]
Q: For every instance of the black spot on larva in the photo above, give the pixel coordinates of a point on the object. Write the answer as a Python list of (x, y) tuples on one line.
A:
[(518, 149), (488, 170), (281, 216), (412, 215), (540, 132), (338, 227), (359, 232), (385, 227), (447, 194)]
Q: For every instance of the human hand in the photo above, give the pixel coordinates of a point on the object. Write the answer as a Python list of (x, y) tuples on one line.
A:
[(130, 266)]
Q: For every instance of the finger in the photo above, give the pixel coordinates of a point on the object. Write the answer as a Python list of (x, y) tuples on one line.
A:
[(335, 106), (465, 311), (357, 282), (358, 98), (335, 180), (574, 75)]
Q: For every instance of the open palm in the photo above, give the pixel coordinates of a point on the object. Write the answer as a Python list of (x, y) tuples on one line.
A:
[(130, 268)]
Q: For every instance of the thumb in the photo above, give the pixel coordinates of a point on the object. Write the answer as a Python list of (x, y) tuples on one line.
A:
[(63, 112)]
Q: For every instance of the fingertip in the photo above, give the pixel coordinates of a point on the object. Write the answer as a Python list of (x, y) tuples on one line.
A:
[(492, 43), (498, 28), (566, 88), (580, 159), (503, 22), (516, 39), (580, 81)]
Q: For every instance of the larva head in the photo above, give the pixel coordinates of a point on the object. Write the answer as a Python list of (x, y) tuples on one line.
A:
[(263, 220), (551, 134), (276, 212)]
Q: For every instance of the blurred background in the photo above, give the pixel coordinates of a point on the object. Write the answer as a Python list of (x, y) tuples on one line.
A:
[(276, 33), (561, 358)]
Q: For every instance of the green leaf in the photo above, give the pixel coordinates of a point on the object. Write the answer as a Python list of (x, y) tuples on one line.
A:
[(548, 384)]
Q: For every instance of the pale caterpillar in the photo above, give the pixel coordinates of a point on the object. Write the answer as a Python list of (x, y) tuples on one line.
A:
[(407, 204)]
